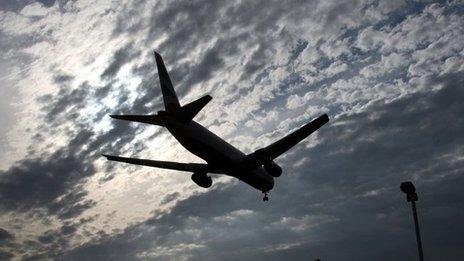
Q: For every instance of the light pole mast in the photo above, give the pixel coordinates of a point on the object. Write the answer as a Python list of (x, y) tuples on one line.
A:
[(411, 196)]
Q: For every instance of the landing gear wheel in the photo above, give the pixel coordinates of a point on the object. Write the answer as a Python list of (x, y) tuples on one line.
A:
[(266, 198)]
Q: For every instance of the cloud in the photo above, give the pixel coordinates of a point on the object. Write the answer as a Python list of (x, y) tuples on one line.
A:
[(62, 78), (169, 198), (54, 181), (6, 255), (121, 57), (6, 238), (390, 88), (37, 183), (357, 153), (5, 235)]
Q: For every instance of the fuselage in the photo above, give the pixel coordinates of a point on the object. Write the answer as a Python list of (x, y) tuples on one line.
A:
[(218, 153)]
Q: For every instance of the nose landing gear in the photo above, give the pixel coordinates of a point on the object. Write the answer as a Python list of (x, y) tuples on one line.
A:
[(265, 198)]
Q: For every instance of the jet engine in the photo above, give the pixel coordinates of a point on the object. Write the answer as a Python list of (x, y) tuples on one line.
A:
[(202, 180), (273, 169)]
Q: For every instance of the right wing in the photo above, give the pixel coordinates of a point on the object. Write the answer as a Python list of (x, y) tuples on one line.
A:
[(279, 147), (190, 167)]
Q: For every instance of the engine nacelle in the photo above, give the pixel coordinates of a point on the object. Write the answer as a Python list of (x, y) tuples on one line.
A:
[(273, 169), (202, 180)]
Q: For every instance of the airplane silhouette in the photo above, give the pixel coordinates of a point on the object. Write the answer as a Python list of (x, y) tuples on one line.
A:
[(257, 169)]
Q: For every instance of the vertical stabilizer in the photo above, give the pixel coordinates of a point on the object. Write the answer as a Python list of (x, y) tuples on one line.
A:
[(171, 102)]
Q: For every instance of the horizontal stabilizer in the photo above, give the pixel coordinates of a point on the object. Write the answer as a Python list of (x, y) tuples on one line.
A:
[(281, 146), (150, 119), (189, 111), (190, 167)]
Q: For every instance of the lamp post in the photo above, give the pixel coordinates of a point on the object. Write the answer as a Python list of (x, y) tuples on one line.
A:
[(411, 196)]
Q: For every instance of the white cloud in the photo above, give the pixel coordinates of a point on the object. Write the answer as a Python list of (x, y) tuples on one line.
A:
[(34, 9), (387, 64), (260, 92), (304, 223)]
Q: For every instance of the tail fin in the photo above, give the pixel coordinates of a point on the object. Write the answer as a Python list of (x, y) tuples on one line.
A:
[(171, 102)]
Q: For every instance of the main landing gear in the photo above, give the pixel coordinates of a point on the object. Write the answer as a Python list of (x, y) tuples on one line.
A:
[(265, 198)]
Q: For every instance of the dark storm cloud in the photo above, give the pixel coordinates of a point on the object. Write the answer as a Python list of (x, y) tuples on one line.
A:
[(193, 24), (127, 21), (62, 78), (256, 62), (189, 26), (71, 204), (346, 179), (210, 62), (299, 48), (149, 99), (17, 41), (53, 182), (169, 198), (351, 180), (52, 242), (18, 5), (187, 23), (6, 255), (250, 27), (160, 226), (12, 5), (120, 58), (47, 3), (65, 104), (6, 241), (38, 183), (186, 75), (5, 236), (375, 151), (348, 187), (102, 92)]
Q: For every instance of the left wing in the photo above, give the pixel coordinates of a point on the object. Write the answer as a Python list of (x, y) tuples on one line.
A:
[(190, 167), (150, 119)]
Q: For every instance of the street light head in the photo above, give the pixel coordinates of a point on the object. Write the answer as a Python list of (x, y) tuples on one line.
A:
[(411, 196), (407, 187)]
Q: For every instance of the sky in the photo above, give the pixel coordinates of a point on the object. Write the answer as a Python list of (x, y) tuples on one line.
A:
[(389, 74)]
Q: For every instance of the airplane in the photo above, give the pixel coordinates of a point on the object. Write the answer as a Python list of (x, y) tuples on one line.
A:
[(257, 169)]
